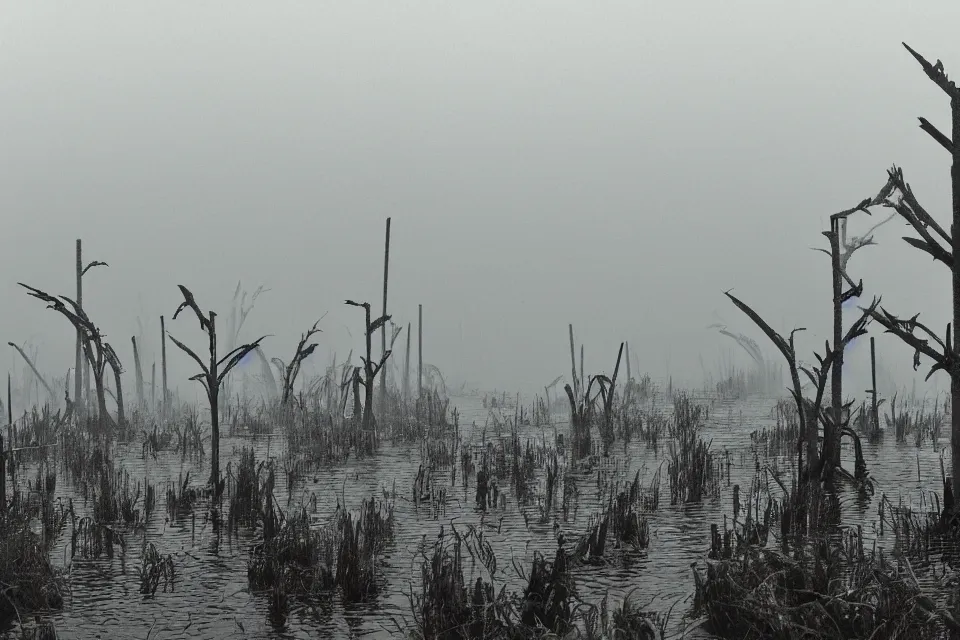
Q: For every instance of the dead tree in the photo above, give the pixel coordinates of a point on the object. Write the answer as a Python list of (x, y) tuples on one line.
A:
[(938, 243), (370, 370), (292, 370), (383, 330), (810, 412), (212, 375), (841, 250), (164, 398), (98, 352), (81, 271)]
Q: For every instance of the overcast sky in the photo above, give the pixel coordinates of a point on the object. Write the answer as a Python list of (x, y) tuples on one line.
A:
[(613, 165)]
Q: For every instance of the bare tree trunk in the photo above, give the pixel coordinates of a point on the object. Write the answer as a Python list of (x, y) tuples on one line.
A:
[(831, 444), (78, 366), (12, 466), (420, 354), (583, 375), (368, 387), (121, 419), (104, 418), (163, 370), (406, 369), (153, 387), (629, 375), (874, 412), (357, 409), (954, 233), (137, 371), (214, 390), (383, 329)]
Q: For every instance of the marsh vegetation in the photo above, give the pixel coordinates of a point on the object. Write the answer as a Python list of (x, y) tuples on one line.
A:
[(624, 507)]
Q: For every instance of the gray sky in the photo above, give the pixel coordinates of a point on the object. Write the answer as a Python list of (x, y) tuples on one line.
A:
[(613, 165)]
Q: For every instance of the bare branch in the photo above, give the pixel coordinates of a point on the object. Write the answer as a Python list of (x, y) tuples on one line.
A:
[(935, 73), (187, 350), (190, 302), (944, 141), (93, 264), (785, 348), (904, 329), (907, 205), (240, 354)]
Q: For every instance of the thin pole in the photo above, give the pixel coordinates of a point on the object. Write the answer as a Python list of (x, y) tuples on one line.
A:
[(406, 369), (955, 230), (629, 375), (383, 329), (13, 479), (138, 371), (163, 369), (420, 353), (873, 377), (831, 441), (78, 366)]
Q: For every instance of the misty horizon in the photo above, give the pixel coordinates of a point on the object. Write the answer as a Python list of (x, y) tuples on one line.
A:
[(613, 168)]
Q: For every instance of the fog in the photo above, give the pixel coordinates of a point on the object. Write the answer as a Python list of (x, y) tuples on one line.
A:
[(616, 166)]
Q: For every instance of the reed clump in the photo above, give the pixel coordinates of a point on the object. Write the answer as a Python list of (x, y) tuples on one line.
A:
[(155, 568), (181, 497), (625, 621), (781, 439), (248, 494), (344, 554), (117, 498), (827, 589), (921, 423), (693, 470), (453, 605), (628, 508), (28, 581), (450, 606)]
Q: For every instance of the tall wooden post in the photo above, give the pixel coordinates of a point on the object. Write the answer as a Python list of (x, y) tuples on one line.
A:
[(163, 369), (78, 365), (629, 375), (383, 329), (955, 233), (11, 465), (831, 440), (138, 371), (420, 353), (406, 369), (873, 378), (213, 388)]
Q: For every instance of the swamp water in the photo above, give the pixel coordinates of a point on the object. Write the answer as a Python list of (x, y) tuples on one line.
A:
[(211, 598)]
